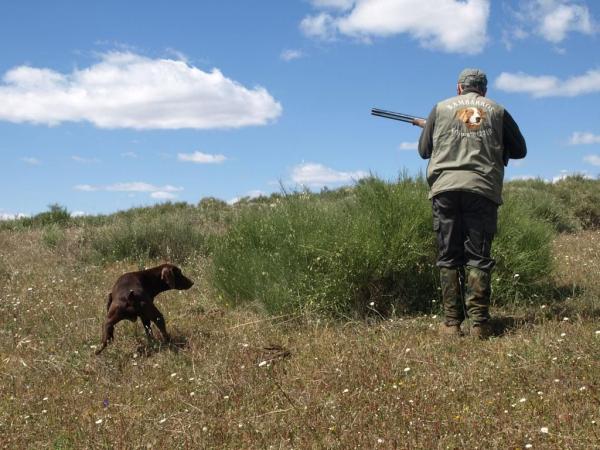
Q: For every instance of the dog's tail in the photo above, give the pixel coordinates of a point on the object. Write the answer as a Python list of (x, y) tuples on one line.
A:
[(109, 302)]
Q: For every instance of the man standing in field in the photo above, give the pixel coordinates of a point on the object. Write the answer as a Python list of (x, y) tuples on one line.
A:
[(468, 140)]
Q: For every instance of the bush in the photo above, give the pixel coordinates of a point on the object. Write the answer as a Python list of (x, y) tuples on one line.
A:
[(523, 253), (142, 237), (371, 247), (569, 205), (582, 196), (541, 199)]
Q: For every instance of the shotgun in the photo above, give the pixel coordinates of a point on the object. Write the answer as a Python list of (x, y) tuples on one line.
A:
[(418, 121)]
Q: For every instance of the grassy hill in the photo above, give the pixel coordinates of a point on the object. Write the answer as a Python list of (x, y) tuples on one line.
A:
[(300, 358)]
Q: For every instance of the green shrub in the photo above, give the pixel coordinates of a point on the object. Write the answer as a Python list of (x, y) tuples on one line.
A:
[(582, 196), (370, 247), (569, 205), (541, 199), (523, 253), (142, 237), (53, 235)]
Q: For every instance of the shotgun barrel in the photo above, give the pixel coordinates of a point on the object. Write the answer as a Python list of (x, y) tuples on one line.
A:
[(394, 115)]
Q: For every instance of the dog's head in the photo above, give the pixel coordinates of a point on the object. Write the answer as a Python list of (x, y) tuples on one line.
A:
[(172, 275), (472, 117)]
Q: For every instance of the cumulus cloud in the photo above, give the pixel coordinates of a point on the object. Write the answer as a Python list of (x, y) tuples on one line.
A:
[(291, 54), (548, 85), (201, 158), (321, 26), (313, 174), (82, 160), (408, 145), (448, 25), (580, 138), (551, 20), (161, 195), (594, 160), (167, 192), (31, 161), (126, 90)]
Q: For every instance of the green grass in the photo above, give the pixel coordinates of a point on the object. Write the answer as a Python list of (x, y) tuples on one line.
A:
[(387, 381)]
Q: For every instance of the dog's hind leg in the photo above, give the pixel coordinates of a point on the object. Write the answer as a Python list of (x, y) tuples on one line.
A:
[(107, 333)]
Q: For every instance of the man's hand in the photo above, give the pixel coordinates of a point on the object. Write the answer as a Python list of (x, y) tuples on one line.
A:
[(419, 122)]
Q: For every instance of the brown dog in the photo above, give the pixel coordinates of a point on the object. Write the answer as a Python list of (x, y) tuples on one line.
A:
[(132, 296)]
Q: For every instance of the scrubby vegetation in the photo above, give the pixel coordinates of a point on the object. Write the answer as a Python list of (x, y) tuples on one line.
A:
[(371, 250), (366, 249), (240, 378)]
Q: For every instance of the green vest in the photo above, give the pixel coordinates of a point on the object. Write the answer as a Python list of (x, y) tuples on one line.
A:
[(467, 147)]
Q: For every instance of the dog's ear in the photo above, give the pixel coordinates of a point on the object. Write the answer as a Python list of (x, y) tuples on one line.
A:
[(168, 276)]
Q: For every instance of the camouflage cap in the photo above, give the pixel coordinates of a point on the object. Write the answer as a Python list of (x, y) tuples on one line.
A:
[(472, 77)]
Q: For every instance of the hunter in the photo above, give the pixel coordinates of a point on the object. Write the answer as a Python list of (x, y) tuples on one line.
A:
[(468, 140)]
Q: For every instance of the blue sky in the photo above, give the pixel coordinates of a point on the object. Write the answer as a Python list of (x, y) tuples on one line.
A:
[(108, 105)]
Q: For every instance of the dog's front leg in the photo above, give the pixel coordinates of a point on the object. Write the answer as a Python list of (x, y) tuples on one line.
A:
[(159, 320), (147, 328)]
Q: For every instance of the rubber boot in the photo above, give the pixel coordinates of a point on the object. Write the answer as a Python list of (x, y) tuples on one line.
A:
[(477, 300), (452, 301)]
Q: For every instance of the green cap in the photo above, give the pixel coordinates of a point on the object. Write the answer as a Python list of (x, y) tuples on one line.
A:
[(472, 77)]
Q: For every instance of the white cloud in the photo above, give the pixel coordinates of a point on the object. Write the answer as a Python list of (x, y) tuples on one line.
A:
[(82, 160), (201, 158), (551, 20), (313, 174), (321, 26), (79, 214), (548, 85), (291, 54), (594, 160), (448, 25), (579, 138), (126, 90), (166, 192), (409, 145), (132, 155), (161, 195), (31, 161)]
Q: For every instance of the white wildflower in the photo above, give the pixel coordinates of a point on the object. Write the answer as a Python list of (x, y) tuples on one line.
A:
[(544, 430)]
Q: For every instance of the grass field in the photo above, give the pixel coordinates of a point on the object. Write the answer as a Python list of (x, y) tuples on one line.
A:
[(240, 378)]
